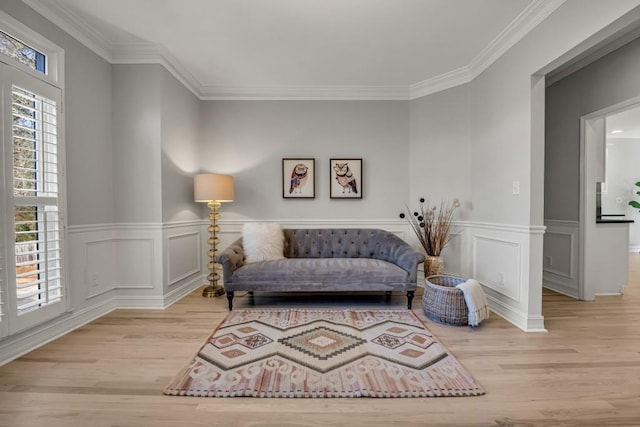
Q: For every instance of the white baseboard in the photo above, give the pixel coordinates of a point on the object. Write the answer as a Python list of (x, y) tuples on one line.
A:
[(20, 344), (176, 294), (559, 286), (562, 291), (517, 318)]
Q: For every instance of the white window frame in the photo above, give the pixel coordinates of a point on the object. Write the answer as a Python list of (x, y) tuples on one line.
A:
[(54, 76), (54, 64)]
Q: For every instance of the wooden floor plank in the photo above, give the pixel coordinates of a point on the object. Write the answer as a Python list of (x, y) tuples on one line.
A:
[(584, 372)]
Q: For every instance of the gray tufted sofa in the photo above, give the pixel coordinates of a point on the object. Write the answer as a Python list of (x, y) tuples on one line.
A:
[(326, 260)]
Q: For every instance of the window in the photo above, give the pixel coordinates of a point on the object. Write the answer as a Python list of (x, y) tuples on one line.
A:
[(24, 54), (22, 48), (37, 227), (32, 184)]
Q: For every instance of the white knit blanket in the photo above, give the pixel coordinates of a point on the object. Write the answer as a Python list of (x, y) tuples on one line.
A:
[(476, 301)]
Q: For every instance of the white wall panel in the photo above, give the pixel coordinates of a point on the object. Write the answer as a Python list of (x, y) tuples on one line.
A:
[(561, 255), (99, 267), (497, 264), (184, 253), (135, 263), (455, 261), (558, 252), (497, 255)]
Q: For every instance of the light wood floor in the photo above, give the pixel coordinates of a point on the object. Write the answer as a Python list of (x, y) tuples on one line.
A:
[(584, 372)]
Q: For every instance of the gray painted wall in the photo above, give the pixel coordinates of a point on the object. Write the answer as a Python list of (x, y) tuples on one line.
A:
[(89, 159), (440, 156), (180, 123), (610, 80), (156, 141), (248, 140), (137, 98), (505, 125)]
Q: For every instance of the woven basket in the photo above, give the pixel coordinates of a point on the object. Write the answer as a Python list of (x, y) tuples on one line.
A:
[(442, 302)]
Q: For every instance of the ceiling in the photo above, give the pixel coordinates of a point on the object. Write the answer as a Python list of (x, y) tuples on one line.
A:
[(284, 49)]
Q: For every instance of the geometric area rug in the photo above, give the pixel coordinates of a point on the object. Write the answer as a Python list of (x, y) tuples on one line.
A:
[(322, 353)]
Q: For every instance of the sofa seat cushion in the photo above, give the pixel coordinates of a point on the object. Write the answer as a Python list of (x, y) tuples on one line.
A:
[(319, 274)]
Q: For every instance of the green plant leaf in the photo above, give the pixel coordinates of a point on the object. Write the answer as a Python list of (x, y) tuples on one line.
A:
[(637, 184), (634, 204)]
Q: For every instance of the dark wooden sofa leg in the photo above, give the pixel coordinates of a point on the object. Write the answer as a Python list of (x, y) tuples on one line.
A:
[(387, 297), (409, 299), (230, 299)]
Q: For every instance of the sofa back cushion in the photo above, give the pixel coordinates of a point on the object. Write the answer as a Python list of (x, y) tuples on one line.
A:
[(340, 243)]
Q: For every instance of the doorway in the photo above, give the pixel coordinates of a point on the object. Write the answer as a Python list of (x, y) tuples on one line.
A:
[(576, 109), (589, 257), (604, 227)]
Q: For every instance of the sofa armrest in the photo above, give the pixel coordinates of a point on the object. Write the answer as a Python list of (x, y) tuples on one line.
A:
[(231, 259), (407, 258)]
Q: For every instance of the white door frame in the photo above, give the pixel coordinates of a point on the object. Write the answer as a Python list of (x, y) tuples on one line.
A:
[(592, 158)]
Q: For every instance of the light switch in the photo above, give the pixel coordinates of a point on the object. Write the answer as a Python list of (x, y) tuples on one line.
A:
[(516, 188)]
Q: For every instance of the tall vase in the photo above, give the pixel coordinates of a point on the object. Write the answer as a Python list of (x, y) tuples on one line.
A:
[(433, 265)]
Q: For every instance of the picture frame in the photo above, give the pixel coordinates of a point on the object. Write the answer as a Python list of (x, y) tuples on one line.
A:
[(298, 178), (346, 178)]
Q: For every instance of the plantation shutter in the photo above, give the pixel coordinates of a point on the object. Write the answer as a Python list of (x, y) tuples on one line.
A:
[(36, 287)]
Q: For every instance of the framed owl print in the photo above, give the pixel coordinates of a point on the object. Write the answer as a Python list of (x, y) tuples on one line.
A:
[(298, 178), (346, 178)]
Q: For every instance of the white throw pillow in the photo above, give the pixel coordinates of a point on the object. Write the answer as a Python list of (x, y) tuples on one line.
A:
[(263, 242)]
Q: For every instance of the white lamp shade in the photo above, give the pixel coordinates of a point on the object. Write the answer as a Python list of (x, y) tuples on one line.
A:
[(213, 186)]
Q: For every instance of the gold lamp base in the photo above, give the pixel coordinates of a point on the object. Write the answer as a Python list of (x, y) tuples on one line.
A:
[(212, 291), (213, 189)]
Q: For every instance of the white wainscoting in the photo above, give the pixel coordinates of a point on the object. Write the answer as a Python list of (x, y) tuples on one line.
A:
[(497, 264), (115, 266), (135, 263), (184, 251), (124, 257), (185, 258), (99, 266), (501, 260), (561, 257)]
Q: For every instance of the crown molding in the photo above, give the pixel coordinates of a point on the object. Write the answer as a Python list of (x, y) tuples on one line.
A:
[(150, 53), (524, 23), (72, 24), (444, 81), (318, 93), (140, 53)]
